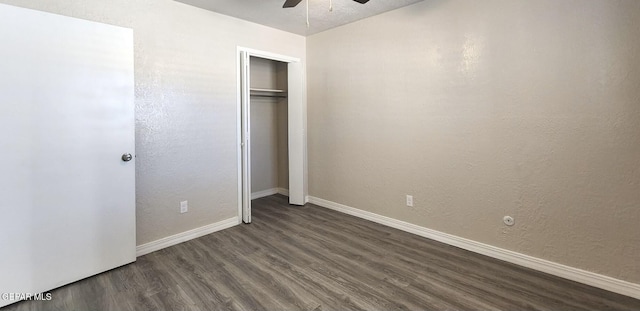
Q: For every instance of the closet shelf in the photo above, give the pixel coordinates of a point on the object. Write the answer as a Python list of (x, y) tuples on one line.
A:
[(268, 93)]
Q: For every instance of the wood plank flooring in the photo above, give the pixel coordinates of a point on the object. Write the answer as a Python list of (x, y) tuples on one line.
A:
[(311, 258)]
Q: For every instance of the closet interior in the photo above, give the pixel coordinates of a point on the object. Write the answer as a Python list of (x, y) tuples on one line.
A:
[(269, 127)]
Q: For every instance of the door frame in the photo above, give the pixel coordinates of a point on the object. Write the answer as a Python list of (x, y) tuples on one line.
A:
[(297, 140)]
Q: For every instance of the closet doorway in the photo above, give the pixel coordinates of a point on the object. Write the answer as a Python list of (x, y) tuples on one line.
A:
[(271, 140)]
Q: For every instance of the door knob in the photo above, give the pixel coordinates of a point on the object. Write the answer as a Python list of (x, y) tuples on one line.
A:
[(127, 157)]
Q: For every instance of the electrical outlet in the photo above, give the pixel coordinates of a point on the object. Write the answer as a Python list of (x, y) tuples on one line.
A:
[(409, 200), (184, 207)]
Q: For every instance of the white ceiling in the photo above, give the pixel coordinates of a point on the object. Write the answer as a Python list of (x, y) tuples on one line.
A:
[(270, 12)]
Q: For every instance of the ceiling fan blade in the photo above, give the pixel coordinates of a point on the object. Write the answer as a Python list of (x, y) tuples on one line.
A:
[(361, 1), (292, 3)]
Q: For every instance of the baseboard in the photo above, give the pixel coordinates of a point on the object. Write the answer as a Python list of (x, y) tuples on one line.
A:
[(283, 191), (268, 192), (185, 236), (567, 272), (263, 193)]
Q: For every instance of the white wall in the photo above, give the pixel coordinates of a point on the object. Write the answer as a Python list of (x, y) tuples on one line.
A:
[(482, 109), (186, 106)]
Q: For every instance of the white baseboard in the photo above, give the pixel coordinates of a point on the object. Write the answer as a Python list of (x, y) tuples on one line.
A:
[(283, 191), (185, 236), (268, 192), (263, 193), (567, 272)]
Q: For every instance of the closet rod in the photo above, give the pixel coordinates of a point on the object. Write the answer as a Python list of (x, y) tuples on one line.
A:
[(264, 95), (267, 90)]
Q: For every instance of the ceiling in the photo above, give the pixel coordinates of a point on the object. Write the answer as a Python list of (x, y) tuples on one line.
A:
[(270, 12)]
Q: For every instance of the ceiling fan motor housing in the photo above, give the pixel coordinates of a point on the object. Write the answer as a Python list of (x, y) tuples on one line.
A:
[(293, 3)]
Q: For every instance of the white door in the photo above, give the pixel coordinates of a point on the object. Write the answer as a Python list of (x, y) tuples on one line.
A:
[(66, 119), (245, 81)]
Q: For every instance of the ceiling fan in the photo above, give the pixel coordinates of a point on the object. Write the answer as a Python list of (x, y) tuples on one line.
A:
[(292, 3)]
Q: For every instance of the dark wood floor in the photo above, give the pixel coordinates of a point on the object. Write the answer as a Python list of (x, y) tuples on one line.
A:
[(311, 258)]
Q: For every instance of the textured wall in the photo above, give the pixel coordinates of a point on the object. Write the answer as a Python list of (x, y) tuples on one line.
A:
[(185, 78), (482, 109)]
